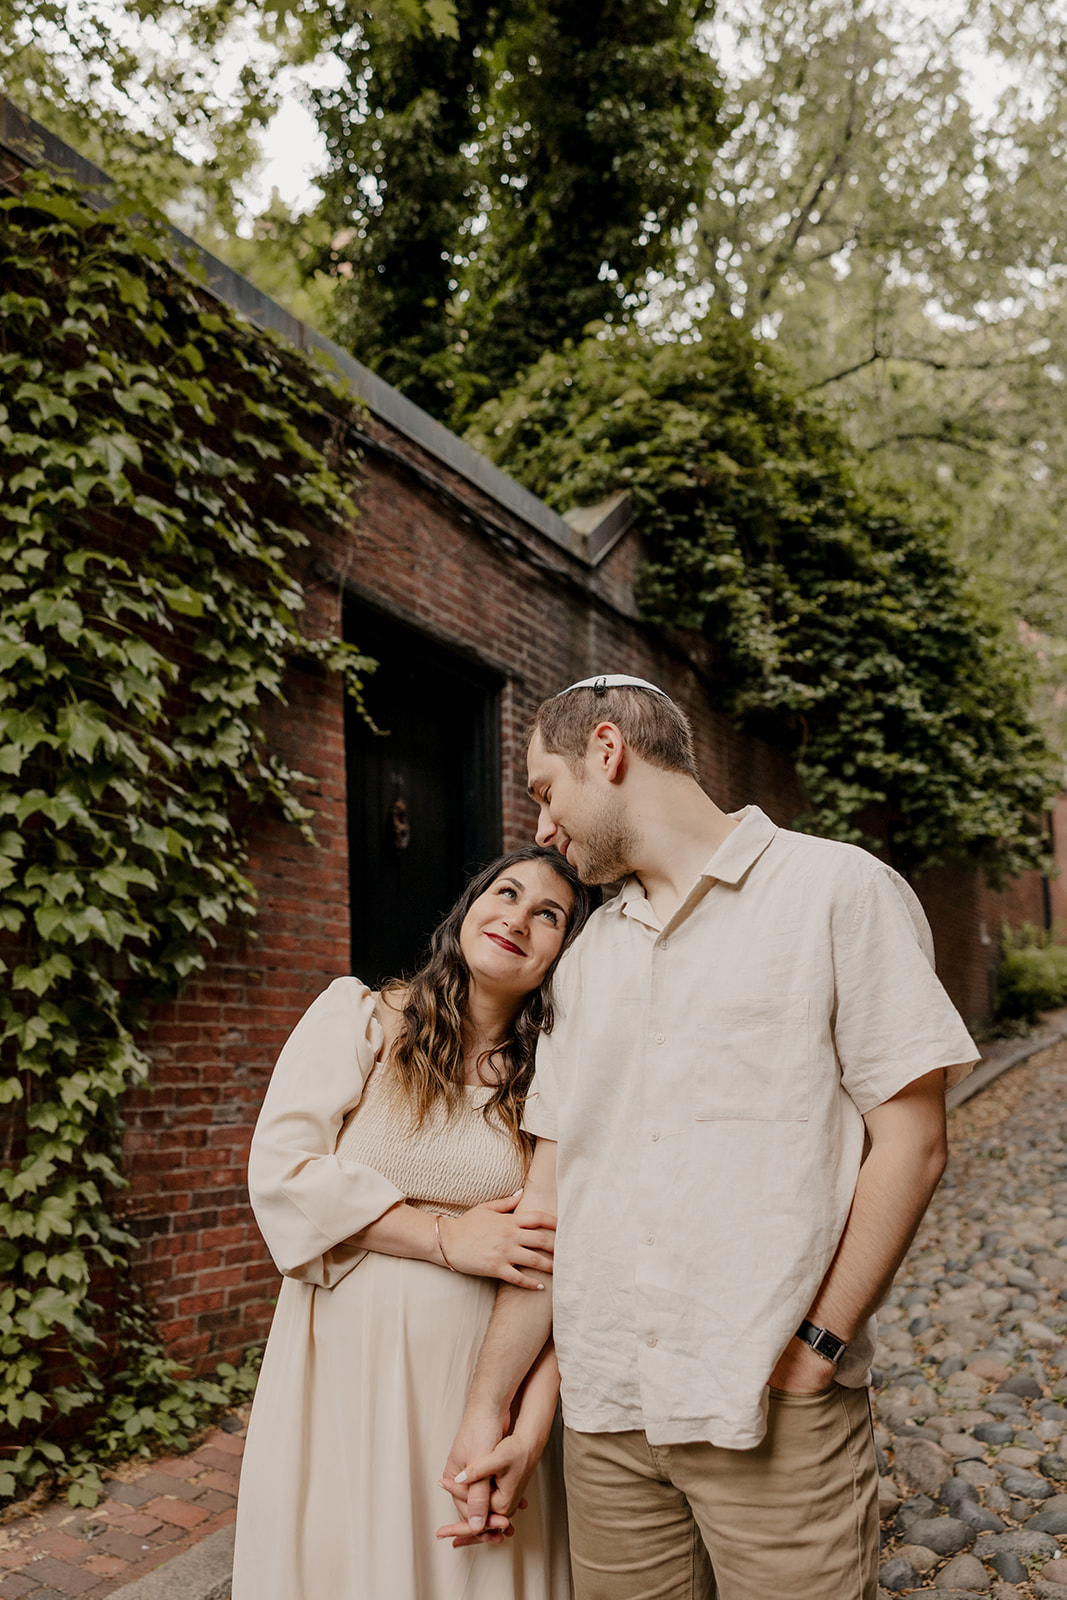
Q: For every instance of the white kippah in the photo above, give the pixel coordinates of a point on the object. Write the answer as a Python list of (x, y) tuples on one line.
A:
[(613, 680)]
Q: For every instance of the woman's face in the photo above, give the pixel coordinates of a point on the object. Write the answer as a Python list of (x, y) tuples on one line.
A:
[(514, 931)]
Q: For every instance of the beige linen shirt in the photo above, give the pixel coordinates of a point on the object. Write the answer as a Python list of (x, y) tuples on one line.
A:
[(706, 1082)]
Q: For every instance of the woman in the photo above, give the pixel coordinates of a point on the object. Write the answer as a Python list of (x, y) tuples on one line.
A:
[(383, 1174)]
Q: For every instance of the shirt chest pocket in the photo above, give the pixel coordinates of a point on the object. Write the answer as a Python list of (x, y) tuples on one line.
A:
[(753, 1061)]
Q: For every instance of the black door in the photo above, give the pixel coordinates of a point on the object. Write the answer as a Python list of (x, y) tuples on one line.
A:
[(423, 797)]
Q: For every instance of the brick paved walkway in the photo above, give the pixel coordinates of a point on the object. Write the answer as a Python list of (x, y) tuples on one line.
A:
[(153, 1511)]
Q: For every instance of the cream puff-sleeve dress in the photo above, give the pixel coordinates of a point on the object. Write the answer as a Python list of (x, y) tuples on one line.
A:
[(370, 1357)]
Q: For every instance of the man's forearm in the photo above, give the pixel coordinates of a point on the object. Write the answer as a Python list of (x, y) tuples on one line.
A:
[(518, 1330), (891, 1199), (896, 1182)]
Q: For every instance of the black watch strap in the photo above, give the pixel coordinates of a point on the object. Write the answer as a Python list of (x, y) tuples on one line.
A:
[(822, 1341)]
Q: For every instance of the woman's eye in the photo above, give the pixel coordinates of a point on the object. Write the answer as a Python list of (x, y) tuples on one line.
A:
[(551, 917)]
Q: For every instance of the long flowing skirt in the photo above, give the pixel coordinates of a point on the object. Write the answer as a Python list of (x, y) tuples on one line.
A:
[(362, 1390)]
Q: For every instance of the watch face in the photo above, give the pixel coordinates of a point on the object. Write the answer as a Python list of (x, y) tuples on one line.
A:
[(822, 1341)]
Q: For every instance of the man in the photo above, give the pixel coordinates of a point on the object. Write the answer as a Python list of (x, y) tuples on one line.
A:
[(742, 1105)]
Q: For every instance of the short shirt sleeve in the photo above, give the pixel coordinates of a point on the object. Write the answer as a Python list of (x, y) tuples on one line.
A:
[(893, 1020)]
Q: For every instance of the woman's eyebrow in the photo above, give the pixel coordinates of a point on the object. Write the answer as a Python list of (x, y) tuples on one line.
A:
[(518, 884)]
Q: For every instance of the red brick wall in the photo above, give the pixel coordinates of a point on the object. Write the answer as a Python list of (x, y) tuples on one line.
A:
[(540, 621)]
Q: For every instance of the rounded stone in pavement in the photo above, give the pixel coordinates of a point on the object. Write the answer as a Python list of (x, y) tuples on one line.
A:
[(994, 1432), (1049, 1522), (1004, 1405), (1053, 1466), (954, 1491), (921, 1464), (979, 1517), (1019, 1542), (1023, 1385), (1009, 1567), (920, 1556), (1055, 1572), (962, 1572), (946, 1535), (897, 1574), (1026, 1484), (962, 1446)]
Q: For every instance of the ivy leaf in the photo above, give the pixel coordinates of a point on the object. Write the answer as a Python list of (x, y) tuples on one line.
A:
[(38, 980), (184, 600), (48, 1309), (115, 451), (44, 405)]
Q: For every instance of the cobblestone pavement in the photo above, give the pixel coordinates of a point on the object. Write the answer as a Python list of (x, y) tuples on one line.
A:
[(970, 1407), (154, 1510)]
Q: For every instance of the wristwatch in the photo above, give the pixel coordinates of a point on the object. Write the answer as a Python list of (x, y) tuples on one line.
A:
[(822, 1341)]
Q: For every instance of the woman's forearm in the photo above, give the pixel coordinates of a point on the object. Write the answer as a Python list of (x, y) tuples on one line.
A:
[(403, 1230), (537, 1401)]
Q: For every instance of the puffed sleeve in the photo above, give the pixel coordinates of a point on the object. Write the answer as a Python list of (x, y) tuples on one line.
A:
[(307, 1201)]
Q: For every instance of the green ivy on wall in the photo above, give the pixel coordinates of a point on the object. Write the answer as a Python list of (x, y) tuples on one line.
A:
[(163, 464), (836, 624)]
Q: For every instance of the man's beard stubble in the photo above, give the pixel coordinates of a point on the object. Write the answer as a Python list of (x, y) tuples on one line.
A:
[(606, 854)]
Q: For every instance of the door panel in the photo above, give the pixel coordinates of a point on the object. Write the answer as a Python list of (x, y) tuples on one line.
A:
[(423, 796)]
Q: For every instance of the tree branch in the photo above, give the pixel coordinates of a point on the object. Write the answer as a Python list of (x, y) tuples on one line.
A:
[(929, 438)]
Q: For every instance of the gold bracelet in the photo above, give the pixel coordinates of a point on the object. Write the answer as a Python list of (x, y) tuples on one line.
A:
[(437, 1230)]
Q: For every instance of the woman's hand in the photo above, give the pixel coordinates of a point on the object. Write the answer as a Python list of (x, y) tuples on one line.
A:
[(508, 1468), (489, 1242)]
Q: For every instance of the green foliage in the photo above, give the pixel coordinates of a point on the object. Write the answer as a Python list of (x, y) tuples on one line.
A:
[(163, 463), (495, 192), (171, 96), (1031, 977), (835, 623), (888, 208)]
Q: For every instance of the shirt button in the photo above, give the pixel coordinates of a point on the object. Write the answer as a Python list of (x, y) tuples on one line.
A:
[(651, 1341), (650, 1238), (665, 944), (654, 1135), (659, 1038)]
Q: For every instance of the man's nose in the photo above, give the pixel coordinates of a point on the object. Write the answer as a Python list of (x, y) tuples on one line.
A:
[(546, 829)]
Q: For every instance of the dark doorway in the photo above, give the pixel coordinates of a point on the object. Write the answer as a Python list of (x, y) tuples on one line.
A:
[(424, 798)]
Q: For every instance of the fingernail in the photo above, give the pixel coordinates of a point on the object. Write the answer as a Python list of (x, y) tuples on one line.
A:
[(477, 1523), (540, 1285), (461, 1477)]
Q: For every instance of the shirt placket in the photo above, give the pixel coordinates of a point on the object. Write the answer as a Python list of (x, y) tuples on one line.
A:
[(653, 1183)]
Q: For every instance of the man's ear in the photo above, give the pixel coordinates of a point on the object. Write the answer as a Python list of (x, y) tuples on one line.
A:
[(607, 751)]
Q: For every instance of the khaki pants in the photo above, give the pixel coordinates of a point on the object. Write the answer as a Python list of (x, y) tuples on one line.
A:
[(794, 1519)]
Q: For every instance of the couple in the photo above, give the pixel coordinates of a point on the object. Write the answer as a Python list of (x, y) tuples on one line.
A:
[(738, 1108)]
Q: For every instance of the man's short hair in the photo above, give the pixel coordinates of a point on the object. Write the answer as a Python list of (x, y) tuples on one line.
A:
[(653, 726)]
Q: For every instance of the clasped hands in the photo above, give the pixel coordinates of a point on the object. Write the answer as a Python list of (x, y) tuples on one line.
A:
[(486, 1475)]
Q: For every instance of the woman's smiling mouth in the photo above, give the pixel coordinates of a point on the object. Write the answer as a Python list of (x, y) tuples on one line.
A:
[(505, 944)]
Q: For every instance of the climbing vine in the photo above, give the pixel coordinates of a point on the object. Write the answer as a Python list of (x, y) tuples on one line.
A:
[(836, 622), (163, 465)]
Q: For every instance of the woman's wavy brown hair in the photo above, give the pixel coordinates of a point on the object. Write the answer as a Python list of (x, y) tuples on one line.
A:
[(427, 1055)]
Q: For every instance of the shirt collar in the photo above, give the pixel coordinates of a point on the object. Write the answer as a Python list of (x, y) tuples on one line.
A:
[(742, 848), (739, 851)]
